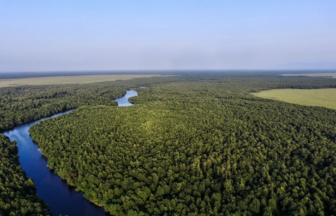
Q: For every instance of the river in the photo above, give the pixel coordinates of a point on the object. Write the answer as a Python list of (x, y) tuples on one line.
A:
[(61, 198), (123, 101)]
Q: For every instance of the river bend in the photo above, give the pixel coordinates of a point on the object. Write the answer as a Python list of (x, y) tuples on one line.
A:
[(61, 198)]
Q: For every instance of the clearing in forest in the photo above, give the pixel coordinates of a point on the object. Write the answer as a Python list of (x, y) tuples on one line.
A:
[(308, 97), (69, 79)]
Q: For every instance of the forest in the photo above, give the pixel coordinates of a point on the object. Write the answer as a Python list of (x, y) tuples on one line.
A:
[(19, 105), (199, 145), (23, 104)]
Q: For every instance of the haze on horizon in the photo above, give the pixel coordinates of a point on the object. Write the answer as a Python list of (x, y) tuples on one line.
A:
[(64, 35)]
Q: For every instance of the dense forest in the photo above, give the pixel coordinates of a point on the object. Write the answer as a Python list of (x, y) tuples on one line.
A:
[(17, 192), (19, 105), (200, 145)]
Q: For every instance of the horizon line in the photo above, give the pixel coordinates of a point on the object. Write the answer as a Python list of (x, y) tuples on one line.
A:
[(166, 70)]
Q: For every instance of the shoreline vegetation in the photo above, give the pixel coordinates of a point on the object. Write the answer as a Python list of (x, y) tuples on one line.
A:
[(17, 191)]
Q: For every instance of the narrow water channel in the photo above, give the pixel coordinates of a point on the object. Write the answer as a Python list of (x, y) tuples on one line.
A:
[(123, 101), (61, 198)]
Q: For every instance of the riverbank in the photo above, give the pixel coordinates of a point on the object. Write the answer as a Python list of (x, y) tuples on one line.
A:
[(61, 196)]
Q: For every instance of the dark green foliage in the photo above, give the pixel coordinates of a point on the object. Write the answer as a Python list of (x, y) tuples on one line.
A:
[(17, 192), (200, 148)]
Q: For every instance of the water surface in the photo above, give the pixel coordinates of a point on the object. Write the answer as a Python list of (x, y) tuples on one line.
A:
[(123, 101)]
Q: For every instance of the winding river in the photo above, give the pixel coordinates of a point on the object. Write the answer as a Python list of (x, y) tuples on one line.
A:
[(61, 198), (123, 101)]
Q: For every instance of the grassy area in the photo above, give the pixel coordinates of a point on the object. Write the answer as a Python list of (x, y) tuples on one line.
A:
[(307, 97), (327, 75), (69, 79)]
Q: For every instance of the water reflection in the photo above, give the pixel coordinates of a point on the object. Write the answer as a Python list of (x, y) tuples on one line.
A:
[(61, 198), (123, 101)]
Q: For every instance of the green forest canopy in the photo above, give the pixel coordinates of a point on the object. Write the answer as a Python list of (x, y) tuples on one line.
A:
[(200, 146)]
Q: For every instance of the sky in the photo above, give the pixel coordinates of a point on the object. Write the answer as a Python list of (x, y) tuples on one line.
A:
[(40, 35)]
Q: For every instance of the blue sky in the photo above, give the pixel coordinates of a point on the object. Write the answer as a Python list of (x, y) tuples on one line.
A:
[(61, 35)]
